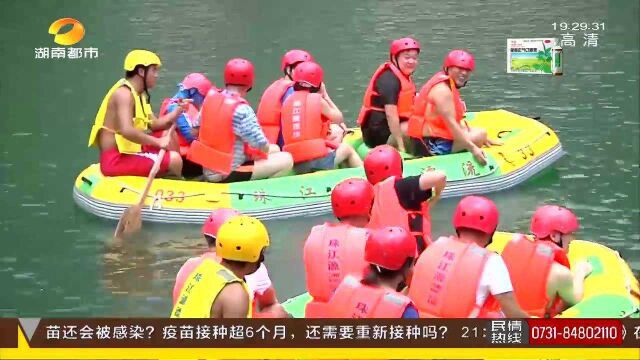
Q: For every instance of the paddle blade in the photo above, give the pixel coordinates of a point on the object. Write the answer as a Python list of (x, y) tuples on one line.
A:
[(130, 221)]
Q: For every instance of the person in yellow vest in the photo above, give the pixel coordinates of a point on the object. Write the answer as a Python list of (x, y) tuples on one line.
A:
[(125, 114), (217, 290)]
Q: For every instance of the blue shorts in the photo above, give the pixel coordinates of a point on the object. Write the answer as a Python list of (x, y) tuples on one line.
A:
[(440, 146), (324, 163)]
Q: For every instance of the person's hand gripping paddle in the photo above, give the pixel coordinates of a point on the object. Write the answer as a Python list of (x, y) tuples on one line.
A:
[(131, 219)]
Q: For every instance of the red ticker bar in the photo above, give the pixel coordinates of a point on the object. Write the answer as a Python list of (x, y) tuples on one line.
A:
[(576, 332)]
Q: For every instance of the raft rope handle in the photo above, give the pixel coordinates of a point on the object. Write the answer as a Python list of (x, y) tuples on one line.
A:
[(523, 147), (242, 194)]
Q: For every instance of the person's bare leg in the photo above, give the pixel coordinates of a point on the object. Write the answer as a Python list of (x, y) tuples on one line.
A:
[(345, 152), (275, 165), (175, 164)]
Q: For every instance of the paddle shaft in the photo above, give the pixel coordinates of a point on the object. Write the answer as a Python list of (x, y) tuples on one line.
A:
[(152, 175)]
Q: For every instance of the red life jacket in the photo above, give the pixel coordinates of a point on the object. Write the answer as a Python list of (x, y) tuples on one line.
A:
[(214, 147), (270, 108), (303, 127), (436, 124), (529, 265), (353, 299), (330, 253), (387, 211), (446, 279), (405, 97)]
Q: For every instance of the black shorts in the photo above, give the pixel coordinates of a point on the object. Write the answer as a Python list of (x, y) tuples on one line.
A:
[(375, 130), (190, 169), (243, 173)]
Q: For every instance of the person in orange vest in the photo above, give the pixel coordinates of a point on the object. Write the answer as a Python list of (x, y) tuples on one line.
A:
[(457, 277), (439, 110), (388, 99), (305, 124), (231, 146), (332, 251), (270, 108), (390, 253), (192, 90), (540, 270), (402, 201), (124, 116), (265, 302)]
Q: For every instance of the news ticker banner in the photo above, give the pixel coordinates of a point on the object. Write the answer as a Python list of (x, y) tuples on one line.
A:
[(316, 333)]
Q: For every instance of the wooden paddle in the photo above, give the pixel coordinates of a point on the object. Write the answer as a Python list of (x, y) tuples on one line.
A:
[(131, 219)]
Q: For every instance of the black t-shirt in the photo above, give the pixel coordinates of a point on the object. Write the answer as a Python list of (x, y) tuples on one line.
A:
[(387, 85), (411, 197), (409, 193)]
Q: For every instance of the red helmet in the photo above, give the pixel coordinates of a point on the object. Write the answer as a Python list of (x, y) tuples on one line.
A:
[(239, 72), (399, 45), (551, 218), (216, 219), (352, 197), (197, 81), (478, 213), (295, 56), (390, 247), (461, 59), (309, 73), (382, 162)]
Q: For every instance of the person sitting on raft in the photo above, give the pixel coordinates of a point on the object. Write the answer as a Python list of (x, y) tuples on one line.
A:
[(125, 115), (390, 253), (217, 289), (305, 117), (399, 201), (388, 100), (265, 303), (192, 90), (270, 108), (540, 269), (332, 251), (457, 277), (231, 145), (439, 111)]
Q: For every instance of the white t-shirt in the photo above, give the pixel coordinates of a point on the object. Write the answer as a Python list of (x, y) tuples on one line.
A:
[(259, 281), (494, 280)]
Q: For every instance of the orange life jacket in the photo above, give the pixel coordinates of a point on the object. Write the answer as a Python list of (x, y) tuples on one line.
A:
[(405, 97), (330, 253), (191, 115), (303, 127), (214, 147), (446, 278), (270, 108), (387, 211), (353, 299), (529, 264), (436, 124)]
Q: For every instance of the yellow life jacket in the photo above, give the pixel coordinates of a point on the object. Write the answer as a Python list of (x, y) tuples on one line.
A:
[(201, 289), (141, 118)]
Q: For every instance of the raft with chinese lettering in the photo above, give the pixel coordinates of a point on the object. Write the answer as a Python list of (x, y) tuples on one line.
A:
[(608, 290), (529, 147)]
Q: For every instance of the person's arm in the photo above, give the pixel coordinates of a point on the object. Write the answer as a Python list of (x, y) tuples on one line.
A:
[(166, 120), (336, 117), (510, 306), (391, 111), (123, 102), (232, 302), (435, 180), (246, 126), (570, 287), (442, 97), (331, 112)]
